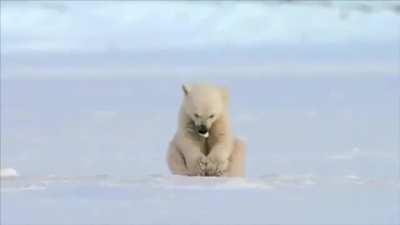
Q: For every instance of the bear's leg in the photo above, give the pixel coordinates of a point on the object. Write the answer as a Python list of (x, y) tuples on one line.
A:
[(176, 162), (237, 160)]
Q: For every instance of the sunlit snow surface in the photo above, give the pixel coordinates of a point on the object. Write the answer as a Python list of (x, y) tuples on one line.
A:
[(320, 151), (89, 106), (188, 200)]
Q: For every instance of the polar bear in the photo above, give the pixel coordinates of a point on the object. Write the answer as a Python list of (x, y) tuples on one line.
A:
[(204, 144)]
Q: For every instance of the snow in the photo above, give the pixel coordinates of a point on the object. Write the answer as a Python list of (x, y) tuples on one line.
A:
[(8, 172), (161, 199), (99, 156), (84, 132)]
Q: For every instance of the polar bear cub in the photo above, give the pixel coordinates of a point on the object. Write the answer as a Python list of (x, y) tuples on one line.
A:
[(204, 144)]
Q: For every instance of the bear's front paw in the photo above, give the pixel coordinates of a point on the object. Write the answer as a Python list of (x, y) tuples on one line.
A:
[(216, 167), (203, 161), (199, 166)]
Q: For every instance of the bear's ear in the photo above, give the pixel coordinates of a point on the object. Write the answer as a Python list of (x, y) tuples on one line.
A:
[(186, 89), (225, 95)]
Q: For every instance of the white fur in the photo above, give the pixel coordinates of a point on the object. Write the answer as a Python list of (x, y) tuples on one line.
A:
[(215, 153)]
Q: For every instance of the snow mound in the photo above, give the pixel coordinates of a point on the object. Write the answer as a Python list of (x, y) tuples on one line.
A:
[(8, 173)]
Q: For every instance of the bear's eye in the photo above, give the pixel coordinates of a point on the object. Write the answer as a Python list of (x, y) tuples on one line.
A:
[(211, 116), (196, 115)]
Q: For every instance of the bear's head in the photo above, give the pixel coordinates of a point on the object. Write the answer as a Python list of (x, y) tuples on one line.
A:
[(203, 105)]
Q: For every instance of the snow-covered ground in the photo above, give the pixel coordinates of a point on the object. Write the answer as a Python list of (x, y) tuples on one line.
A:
[(320, 152), (87, 114), (273, 199)]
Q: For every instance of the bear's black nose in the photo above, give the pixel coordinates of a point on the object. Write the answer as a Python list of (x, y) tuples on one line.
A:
[(202, 129)]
